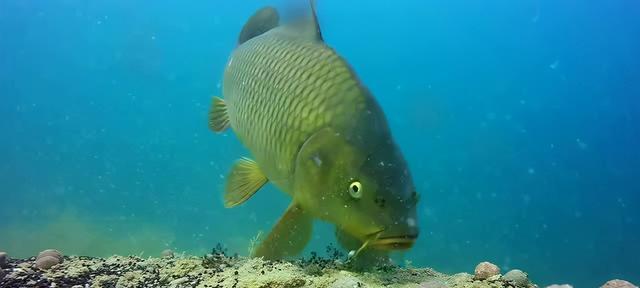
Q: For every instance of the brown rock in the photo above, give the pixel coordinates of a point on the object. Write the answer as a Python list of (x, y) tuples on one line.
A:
[(46, 262), (51, 252), (485, 270), (617, 283)]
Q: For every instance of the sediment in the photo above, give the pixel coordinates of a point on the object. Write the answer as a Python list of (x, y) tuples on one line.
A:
[(219, 270)]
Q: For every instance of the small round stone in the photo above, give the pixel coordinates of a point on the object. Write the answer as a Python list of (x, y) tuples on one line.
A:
[(46, 262), (485, 270), (167, 253), (617, 283), (433, 284), (51, 252), (4, 259), (517, 278), (346, 282)]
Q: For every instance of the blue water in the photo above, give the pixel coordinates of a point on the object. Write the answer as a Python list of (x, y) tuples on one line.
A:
[(519, 120)]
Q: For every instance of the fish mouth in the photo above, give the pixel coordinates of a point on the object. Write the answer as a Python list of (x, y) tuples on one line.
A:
[(401, 242)]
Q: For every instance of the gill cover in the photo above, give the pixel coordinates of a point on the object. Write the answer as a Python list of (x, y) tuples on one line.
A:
[(325, 169)]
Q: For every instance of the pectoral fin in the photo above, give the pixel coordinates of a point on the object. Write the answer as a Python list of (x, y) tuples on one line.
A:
[(218, 116), (289, 236), (244, 180)]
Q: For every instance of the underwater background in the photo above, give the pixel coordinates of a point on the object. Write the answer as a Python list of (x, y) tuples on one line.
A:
[(519, 120)]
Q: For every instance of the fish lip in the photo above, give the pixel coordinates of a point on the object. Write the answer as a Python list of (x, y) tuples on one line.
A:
[(410, 236), (396, 242), (374, 235)]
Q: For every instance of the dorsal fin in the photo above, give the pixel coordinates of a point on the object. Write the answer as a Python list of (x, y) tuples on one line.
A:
[(304, 23), (260, 22), (314, 19)]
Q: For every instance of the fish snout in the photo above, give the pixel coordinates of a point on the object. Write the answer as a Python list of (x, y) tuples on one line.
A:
[(396, 238), (397, 242)]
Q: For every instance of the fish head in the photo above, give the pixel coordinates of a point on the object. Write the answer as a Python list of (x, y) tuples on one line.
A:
[(365, 190), (391, 200)]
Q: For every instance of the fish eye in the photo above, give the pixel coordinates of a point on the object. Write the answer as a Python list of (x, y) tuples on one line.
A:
[(355, 189)]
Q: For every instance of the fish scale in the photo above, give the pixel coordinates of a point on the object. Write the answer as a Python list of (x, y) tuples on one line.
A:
[(276, 90)]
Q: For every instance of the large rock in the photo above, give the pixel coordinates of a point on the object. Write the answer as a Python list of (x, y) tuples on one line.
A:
[(617, 283), (517, 278), (48, 258), (46, 262), (485, 270), (53, 253)]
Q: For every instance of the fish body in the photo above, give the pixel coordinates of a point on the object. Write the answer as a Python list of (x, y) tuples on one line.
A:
[(316, 133), (279, 90)]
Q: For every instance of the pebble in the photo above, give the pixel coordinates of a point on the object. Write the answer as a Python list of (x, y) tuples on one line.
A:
[(486, 270), (46, 262), (168, 253), (346, 282), (517, 277), (178, 282), (617, 283), (4, 259), (560, 286), (433, 284)]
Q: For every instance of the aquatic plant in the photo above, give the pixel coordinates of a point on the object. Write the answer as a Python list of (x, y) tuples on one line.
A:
[(335, 258), (218, 258), (253, 242), (334, 253)]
